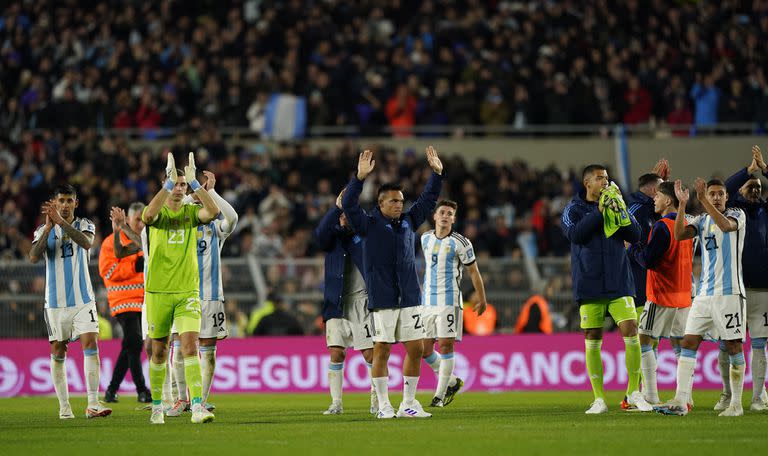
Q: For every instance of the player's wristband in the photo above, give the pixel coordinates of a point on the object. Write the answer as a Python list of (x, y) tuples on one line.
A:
[(168, 185), (194, 185)]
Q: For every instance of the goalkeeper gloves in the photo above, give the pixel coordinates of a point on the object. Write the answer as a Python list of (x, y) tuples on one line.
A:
[(170, 174), (190, 171)]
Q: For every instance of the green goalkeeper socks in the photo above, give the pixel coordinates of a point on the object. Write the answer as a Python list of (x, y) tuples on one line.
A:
[(595, 366), (633, 359), (194, 378), (156, 380)]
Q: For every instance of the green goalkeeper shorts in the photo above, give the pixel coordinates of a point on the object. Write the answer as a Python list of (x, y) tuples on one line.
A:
[(165, 309), (593, 311)]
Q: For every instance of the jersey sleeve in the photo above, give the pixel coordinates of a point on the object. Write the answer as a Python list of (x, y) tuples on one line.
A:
[(161, 220), (194, 212), (696, 221), (87, 226), (738, 215), (38, 233), (467, 253)]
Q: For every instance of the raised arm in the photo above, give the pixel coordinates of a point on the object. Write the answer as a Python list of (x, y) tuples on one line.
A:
[(726, 224), (426, 202), (81, 238), (734, 183), (682, 231), (350, 201), (227, 211), (210, 209), (153, 208), (39, 242)]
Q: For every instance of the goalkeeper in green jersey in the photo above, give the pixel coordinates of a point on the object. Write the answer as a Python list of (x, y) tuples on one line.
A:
[(172, 281)]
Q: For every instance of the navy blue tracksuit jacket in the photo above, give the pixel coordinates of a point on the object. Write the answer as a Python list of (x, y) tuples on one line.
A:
[(389, 257), (338, 243), (599, 265), (755, 256)]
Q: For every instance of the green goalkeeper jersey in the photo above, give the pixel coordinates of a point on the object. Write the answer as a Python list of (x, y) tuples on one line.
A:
[(172, 251)]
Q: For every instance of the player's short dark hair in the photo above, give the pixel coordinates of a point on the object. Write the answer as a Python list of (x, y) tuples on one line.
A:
[(389, 187), (64, 189), (646, 179), (668, 189), (712, 182), (591, 169), (446, 202)]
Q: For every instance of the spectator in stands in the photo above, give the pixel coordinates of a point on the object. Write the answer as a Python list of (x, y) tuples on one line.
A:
[(680, 115), (706, 98), (280, 322), (639, 103), (494, 110), (401, 111)]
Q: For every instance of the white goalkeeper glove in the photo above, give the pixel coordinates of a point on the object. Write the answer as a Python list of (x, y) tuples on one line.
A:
[(170, 174), (190, 173)]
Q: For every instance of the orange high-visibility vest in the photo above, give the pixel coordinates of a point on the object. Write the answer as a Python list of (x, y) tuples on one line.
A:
[(482, 325), (669, 281), (125, 286), (545, 325)]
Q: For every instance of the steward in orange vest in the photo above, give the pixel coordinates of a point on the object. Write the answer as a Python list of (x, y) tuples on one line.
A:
[(123, 275), (668, 286), (534, 317)]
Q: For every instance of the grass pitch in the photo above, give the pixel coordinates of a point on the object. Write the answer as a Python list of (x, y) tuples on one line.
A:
[(475, 424)]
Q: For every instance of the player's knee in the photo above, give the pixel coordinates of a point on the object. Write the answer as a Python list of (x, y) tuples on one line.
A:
[(733, 347), (445, 346), (628, 328), (368, 355), (381, 350), (593, 334), (337, 354), (59, 349)]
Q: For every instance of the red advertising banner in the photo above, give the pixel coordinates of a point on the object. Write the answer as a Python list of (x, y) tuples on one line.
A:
[(298, 364)]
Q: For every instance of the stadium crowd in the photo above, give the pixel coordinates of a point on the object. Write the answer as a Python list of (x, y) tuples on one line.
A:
[(280, 192), (146, 64)]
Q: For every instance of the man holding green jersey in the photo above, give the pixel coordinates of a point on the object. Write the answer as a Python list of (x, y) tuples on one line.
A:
[(172, 280)]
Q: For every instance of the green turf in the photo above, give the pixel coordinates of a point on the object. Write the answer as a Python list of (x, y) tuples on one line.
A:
[(475, 424)]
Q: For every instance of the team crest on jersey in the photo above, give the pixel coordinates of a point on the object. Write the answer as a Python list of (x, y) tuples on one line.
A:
[(199, 234), (405, 224), (356, 239), (712, 228)]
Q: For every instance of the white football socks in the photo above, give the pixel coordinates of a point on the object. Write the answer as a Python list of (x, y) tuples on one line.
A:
[(649, 366), (336, 380), (207, 368), (59, 376), (91, 368), (447, 363)]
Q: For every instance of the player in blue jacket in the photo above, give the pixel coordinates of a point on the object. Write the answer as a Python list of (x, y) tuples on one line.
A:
[(389, 263), (745, 189), (345, 300), (602, 283)]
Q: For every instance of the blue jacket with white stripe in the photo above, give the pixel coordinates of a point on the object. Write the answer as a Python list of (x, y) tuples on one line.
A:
[(389, 250), (641, 207), (338, 243), (755, 255), (599, 265)]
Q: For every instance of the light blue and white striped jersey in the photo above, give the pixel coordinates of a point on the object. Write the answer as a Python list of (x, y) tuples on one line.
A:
[(721, 273), (210, 240), (67, 282), (445, 260)]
